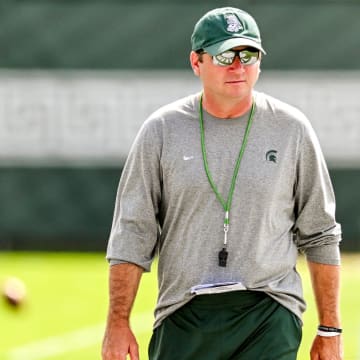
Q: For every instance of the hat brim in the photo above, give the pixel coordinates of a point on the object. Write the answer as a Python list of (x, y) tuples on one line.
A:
[(231, 43)]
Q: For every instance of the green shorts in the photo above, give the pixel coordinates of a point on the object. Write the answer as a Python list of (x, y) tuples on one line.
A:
[(241, 325)]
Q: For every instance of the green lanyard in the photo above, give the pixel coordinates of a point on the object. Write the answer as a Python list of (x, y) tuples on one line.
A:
[(223, 254)]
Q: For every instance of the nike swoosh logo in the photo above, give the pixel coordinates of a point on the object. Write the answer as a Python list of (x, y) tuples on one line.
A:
[(186, 158)]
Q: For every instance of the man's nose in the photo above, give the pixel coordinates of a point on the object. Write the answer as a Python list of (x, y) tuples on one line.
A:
[(237, 63)]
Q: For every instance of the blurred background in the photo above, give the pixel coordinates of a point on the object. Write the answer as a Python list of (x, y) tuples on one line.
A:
[(79, 77)]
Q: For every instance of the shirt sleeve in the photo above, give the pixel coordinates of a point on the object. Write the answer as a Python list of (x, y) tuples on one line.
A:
[(317, 234), (135, 228)]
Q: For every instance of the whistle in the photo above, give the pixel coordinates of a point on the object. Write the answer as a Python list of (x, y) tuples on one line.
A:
[(223, 254)]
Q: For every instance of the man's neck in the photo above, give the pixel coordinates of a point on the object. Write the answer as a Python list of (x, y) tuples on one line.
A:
[(227, 108)]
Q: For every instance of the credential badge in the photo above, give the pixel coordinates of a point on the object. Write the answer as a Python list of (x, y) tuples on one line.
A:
[(234, 24)]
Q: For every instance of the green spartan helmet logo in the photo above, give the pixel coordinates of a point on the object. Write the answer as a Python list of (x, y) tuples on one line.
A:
[(271, 156)]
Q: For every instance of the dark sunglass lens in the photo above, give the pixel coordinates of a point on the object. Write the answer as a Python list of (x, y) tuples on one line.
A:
[(248, 57), (225, 58)]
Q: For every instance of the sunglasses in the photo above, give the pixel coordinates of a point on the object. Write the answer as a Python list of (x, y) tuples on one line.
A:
[(248, 56)]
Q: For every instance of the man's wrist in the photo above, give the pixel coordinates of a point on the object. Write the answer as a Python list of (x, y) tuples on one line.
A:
[(328, 331)]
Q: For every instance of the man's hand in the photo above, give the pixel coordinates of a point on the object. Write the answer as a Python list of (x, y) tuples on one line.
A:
[(119, 343), (326, 284), (327, 348), (119, 340)]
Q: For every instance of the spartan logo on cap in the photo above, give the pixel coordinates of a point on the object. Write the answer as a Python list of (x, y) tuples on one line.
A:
[(271, 156), (234, 24)]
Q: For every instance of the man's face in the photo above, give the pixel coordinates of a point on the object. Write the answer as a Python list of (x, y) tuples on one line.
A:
[(234, 81)]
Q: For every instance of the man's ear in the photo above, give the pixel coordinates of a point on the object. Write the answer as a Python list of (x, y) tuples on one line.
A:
[(194, 61)]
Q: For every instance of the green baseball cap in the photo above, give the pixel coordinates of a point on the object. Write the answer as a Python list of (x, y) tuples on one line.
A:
[(224, 28)]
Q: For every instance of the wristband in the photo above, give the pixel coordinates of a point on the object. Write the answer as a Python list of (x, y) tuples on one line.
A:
[(328, 331)]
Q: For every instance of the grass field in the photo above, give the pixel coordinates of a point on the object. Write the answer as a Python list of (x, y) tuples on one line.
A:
[(63, 316)]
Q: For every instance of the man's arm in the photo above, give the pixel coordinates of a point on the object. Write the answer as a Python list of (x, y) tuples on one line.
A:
[(119, 339), (326, 285)]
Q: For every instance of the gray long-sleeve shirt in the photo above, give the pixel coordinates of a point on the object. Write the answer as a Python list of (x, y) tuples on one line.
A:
[(283, 202)]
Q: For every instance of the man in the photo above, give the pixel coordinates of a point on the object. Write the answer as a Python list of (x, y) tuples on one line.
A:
[(225, 187)]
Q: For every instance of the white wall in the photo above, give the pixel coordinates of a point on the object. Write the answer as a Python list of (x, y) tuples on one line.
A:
[(83, 117)]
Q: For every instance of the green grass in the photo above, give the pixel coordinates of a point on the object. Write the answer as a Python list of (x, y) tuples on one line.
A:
[(64, 314)]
